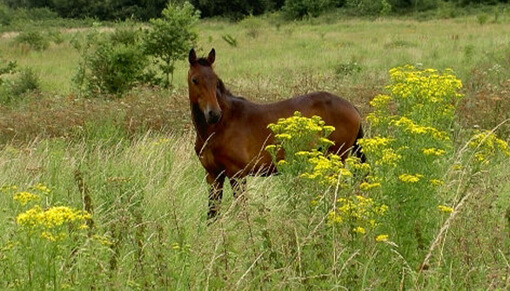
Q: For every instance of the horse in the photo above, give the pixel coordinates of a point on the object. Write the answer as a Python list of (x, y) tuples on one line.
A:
[(232, 132)]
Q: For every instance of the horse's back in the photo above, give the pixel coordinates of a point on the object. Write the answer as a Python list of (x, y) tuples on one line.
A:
[(335, 111)]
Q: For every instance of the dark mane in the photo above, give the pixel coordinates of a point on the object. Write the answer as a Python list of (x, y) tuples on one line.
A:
[(224, 91)]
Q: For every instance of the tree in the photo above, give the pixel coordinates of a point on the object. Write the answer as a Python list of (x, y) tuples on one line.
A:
[(169, 38)]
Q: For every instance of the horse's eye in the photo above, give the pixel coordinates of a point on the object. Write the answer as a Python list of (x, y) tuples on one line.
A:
[(194, 80)]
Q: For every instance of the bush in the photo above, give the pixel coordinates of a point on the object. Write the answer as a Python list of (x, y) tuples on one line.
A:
[(112, 64), (33, 39), (27, 80), (14, 83)]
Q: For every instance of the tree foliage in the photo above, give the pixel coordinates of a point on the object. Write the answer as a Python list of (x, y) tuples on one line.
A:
[(170, 37), (234, 9)]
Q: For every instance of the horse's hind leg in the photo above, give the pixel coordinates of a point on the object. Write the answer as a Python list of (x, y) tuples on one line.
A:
[(239, 190), (215, 194), (238, 187)]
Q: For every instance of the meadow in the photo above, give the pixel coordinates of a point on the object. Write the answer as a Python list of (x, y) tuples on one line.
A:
[(106, 193)]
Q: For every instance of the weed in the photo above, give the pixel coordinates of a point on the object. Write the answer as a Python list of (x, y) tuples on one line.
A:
[(230, 40)]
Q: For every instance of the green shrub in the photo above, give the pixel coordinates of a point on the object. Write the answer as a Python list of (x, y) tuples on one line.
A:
[(14, 83), (26, 80), (33, 39), (114, 68), (111, 63)]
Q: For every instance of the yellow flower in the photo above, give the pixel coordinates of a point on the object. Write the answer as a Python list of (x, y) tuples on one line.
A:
[(359, 230), (49, 236), (25, 197), (270, 147), (50, 218), (367, 186), (283, 136), (445, 209), (436, 182), (382, 238), (281, 163), (6, 188), (41, 188), (373, 144), (389, 157), (433, 152), (488, 145), (380, 101), (407, 178)]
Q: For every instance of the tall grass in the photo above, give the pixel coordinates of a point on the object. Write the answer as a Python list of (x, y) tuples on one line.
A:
[(148, 228)]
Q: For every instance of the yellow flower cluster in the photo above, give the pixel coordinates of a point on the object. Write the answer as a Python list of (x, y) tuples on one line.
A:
[(380, 150), (413, 128), (328, 170), (365, 186), (436, 182), (487, 145), (407, 178), (50, 219), (374, 144), (428, 85), (298, 126), (358, 212), (40, 188), (433, 152), (445, 209), (380, 101), (382, 238), (298, 134), (389, 157), (25, 197)]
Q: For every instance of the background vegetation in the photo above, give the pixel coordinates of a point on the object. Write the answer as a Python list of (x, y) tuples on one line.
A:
[(127, 159), (238, 9)]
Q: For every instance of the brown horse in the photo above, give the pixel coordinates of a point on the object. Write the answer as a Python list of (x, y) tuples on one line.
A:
[(232, 131)]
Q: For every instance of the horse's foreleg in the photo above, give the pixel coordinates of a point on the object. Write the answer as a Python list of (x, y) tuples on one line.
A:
[(215, 194)]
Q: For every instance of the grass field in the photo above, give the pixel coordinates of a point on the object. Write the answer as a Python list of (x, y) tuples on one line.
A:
[(130, 163)]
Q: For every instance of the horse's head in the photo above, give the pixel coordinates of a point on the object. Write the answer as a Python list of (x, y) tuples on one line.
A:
[(202, 85)]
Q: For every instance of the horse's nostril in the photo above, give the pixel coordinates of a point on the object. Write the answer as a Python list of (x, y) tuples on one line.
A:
[(213, 116)]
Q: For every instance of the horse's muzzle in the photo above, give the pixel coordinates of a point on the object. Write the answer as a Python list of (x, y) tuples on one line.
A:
[(213, 116)]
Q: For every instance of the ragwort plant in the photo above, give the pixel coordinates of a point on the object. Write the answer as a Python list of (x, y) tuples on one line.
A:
[(413, 157), (44, 242), (333, 202), (410, 148), (338, 189)]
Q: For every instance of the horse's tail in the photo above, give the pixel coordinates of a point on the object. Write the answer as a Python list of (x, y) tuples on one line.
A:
[(356, 148)]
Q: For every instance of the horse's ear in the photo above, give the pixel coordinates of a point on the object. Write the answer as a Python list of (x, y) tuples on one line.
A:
[(192, 57), (211, 57)]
